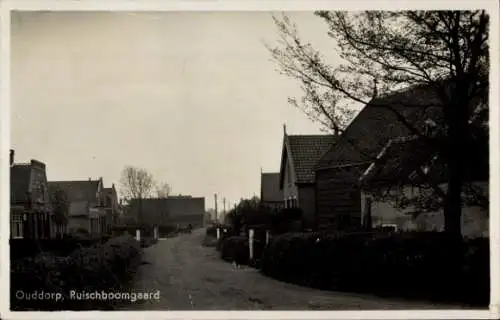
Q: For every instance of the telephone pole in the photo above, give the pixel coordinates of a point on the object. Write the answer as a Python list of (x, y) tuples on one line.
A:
[(216, 215), (224, 204)]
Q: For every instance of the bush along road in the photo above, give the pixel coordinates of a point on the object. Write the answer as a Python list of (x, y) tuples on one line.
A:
[(190, 276), (47, 281)]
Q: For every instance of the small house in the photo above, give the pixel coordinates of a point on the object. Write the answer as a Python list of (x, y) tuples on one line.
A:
[(299, 155)]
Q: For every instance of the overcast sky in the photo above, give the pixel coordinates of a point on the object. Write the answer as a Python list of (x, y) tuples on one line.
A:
[(191, 97)]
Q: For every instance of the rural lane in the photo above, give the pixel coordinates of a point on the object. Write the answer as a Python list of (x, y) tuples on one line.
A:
[(192, 277)]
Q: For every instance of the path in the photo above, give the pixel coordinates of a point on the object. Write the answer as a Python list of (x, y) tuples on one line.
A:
[(192, 277)]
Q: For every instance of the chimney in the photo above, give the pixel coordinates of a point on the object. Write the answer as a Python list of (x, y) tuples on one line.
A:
[(11, 157), (284, 129), (90, 179)]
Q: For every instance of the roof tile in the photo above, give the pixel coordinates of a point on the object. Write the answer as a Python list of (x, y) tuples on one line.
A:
[(305, 151)]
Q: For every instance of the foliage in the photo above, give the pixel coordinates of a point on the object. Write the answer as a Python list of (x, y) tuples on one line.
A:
[(163, 189), (60, 206), (385, 51), (211, 231), (252, 212), (21, 248), (249, 211), (236, 249), (413, 264), (108, 267), (209, 241), (136, 184), (166, 229)]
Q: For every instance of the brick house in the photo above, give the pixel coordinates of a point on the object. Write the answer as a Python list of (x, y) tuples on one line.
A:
[(338, 172), (270, 193), (30, 210), (172, 210), (110, 203), (86, 204), (299, 155), (408, 158)]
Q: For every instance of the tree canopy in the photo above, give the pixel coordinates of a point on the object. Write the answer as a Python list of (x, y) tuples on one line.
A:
[(386, 51)]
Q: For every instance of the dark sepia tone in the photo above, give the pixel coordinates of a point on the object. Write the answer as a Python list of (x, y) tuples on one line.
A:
[(137, 140)]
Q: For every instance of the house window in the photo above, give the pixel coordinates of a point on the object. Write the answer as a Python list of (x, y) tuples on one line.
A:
[(16, 226)]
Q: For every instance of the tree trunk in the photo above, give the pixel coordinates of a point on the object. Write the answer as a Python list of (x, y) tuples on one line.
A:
[(457, 138)]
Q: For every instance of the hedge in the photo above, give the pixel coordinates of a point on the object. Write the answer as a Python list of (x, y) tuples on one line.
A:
[(107, 267), (426, 265), (212, 230), (236, 249), (21, 248)]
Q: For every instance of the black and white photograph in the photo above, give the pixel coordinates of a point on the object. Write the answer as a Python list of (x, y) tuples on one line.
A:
[(320, 160)]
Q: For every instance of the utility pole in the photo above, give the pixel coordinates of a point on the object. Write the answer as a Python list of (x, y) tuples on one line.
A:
[(224, 203), (216, 215)]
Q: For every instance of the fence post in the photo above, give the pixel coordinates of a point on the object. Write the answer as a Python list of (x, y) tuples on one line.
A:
[(250, 242), (267, 237), (155, 232), (138, 234), (218, 233)]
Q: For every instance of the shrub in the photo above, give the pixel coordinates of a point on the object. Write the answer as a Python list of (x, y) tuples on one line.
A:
[(166, 229), (209, 241), (148, 242), (412, 264), (211, 231), (235, 249), (107, 267), (21, 248)]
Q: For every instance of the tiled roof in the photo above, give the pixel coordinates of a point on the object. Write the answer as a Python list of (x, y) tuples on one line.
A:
[(377, 123), (401, 157), (305, 151), (397, 160), (83, 190), (20, 175), (270, 187)]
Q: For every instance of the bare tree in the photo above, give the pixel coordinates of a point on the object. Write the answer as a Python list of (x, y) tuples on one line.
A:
[(163, 190), (384, 51), (136, 184)]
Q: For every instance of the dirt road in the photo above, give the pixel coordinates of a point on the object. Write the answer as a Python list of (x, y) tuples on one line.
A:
[(189, 276)]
